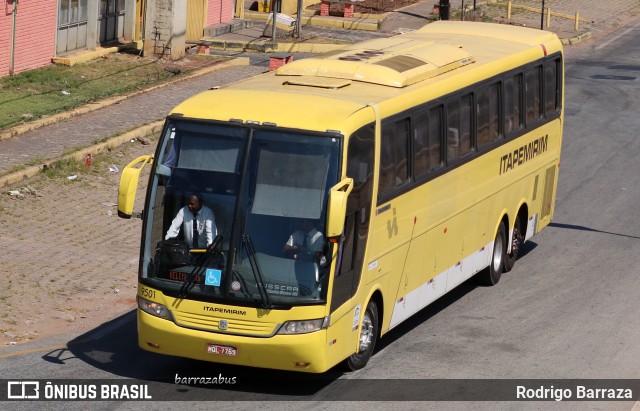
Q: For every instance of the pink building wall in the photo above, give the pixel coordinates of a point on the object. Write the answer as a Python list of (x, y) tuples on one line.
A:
[(35, 34), (219, 11)]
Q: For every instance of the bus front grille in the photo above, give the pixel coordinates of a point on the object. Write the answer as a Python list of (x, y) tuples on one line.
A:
[(225, 326)]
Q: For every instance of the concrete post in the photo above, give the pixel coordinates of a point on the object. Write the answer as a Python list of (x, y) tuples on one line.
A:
[(165, 28), (129, 19), (92, 25), (179, 29)]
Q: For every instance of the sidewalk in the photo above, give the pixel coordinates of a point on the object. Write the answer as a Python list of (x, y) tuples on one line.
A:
[(48, 143)]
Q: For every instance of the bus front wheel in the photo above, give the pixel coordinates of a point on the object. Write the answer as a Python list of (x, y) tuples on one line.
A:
[(491, 275), (368, 338)]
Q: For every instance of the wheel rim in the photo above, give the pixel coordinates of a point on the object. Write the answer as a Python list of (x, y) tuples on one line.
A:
[(366, 332), (497, 252), (517, 241)]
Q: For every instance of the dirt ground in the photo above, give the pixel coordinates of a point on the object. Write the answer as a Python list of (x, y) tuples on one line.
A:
[(68, 262)]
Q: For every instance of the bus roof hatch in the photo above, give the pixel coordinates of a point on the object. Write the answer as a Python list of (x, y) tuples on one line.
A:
[(390, 62)]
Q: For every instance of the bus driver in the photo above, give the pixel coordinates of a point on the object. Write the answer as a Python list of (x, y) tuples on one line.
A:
[(304, 242), (197, 221)]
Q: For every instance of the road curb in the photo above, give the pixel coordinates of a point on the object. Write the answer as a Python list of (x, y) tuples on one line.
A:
[(577, 39)]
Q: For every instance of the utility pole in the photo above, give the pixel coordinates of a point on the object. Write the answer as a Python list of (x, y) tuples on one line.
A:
[(274, 9), (299, 22), (13, 37)]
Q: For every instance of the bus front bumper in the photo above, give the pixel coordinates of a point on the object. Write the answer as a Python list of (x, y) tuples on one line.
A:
[(301, 352)]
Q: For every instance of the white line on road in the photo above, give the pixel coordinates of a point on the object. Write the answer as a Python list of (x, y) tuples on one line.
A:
[(614, 38)]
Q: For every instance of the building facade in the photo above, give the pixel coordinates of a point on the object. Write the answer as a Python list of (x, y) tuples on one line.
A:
[(27, 34), (33, 32)]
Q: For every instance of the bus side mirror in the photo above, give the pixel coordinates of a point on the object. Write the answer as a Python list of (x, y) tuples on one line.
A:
[(337, 207), (129, 185)]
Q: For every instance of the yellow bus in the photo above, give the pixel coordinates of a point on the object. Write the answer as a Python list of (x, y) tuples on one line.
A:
[(347, 192)]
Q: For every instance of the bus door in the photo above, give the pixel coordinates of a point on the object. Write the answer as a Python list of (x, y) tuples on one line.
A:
[(360, 158)]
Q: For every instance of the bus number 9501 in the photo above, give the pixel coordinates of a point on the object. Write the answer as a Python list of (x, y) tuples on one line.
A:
[(147, 292)]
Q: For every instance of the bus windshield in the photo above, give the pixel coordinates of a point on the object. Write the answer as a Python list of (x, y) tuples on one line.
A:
[(263, 197)]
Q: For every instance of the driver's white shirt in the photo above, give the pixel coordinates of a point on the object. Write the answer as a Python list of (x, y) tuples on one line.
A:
[(313, 241)]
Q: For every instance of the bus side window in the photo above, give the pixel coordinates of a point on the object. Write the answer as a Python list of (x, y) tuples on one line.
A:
[(428, 125), (459, 127), (487, 110), (394, 164), (551, 87), (532, 94), (512, 104)]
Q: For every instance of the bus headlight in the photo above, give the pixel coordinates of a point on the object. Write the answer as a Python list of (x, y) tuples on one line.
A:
[(155, 309), (303, 326)]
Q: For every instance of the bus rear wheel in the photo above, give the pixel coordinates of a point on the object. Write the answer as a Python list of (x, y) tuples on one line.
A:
[(491, 275), (368, 338), (516, 242)]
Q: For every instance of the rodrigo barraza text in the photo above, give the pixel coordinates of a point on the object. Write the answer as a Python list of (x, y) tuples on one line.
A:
[(580, 392)]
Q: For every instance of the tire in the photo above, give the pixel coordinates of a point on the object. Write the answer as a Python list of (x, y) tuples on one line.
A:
[(491, 275), (516, 242), (368, 338)]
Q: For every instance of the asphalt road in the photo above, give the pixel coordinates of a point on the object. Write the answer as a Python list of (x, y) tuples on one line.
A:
[(567, 310)]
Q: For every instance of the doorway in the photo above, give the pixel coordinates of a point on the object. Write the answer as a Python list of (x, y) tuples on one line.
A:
[(72, 26), (111, 20)]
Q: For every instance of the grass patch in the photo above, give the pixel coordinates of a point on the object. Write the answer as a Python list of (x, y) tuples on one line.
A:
[(35, 94), (65, 168), (68, 167)]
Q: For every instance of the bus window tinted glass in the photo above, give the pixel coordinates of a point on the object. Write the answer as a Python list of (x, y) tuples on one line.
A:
[(427, 140), (393, 155), (360, 166), (532, 94), (458, 127), (551, 94), (512, 103), (487, 110)]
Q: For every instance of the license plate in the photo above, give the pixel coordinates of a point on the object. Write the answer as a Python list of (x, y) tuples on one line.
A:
[(221, 350)]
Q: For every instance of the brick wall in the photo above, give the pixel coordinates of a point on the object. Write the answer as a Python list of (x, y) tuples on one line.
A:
[(35, 34), (219, 11)]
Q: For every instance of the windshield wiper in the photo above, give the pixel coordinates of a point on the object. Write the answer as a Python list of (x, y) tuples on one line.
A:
[(199, 267), (257, 273)]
